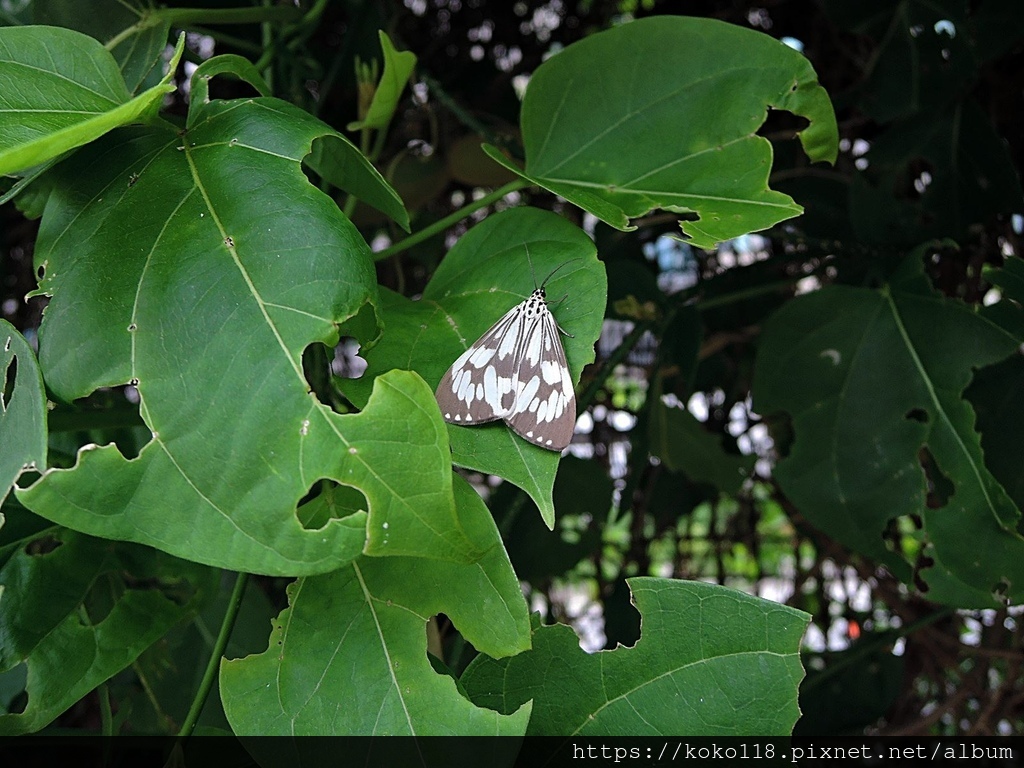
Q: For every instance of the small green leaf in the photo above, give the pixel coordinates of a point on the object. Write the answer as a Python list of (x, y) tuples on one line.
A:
[(398, 66), (711, 661), (370, 617), (870, 379), (61, 89), (22, 408), (679, 440), (51, 587), (483, 276), (686, 140)]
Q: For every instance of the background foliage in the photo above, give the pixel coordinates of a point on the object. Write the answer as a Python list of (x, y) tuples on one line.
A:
[(825, 413)]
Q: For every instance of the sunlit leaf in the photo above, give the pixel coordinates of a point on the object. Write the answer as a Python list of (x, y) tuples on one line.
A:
[(199, 266)]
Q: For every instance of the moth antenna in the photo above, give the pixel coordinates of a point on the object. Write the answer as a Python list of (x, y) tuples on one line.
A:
[(532, 273), (552, 274)]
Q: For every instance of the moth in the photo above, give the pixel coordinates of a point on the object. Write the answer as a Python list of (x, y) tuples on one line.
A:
[(517, 372)]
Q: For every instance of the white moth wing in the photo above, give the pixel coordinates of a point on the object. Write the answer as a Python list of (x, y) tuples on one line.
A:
[(544, 410), (479, 387)]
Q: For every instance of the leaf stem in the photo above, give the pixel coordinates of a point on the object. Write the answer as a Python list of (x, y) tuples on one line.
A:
[(234, 603), (442, 224), (106, 716)]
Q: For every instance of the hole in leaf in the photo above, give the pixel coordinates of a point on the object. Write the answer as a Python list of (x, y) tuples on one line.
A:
[(923, 563), (9, 378), (316, 368), (448, 652), (347, 364), (917, 414), (327, 500), (940, 487), (13, 683), (43, 546)]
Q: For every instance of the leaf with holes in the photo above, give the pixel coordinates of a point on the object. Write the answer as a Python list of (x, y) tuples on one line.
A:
[(199, 265), (76, 611), (22, 408), (710, 661), (873, 380), (483, 276), (633, 119), (371, 616)]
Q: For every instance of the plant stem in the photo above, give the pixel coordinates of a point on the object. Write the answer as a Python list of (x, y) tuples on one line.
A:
[(106, 716), (442, 224), (234, 603)]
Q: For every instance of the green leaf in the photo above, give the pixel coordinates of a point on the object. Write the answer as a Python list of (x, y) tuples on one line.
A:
[(871, 379), (710, 661), (60, 89), (682, 443), (200, 266), (371, 616), (22, 409), (78, 610), (398, 66), (969, 171), (663, 113), (332, 156), (140, 54), (483, 276)]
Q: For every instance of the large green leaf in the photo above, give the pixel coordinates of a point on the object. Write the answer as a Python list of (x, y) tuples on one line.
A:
[(78, 610), (22, 408), (663, 113), (483, 276), (711, 661), (348, 656), (60, 89), (199, 266), (871, 379)]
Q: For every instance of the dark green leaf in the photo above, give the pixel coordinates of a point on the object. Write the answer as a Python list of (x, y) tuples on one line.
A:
[(45, 619), (679, 440), (22, 409), (870, 380)]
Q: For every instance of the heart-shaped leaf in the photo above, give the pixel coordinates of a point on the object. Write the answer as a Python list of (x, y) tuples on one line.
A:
[(487, 273), (632, 119)]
